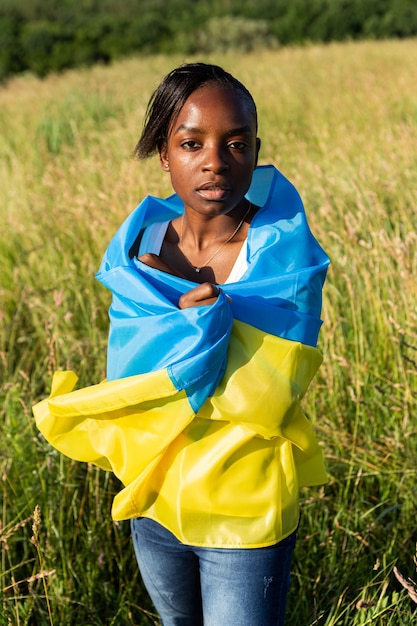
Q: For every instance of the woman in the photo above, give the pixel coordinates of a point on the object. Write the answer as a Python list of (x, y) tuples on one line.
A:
[(213, 327)]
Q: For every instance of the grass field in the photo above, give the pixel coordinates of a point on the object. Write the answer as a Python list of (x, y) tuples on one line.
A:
[(341, 122)]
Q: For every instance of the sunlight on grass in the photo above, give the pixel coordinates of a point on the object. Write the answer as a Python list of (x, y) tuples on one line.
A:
[(341, 122)]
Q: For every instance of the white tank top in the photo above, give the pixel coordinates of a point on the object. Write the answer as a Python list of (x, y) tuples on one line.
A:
[(153, 237)]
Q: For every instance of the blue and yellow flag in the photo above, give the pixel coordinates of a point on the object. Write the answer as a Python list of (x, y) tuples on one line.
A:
[(200, 414)]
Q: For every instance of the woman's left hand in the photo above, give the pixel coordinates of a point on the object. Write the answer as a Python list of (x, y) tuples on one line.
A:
[(153, 260)]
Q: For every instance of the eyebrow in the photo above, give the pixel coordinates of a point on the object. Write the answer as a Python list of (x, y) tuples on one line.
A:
[(235, 131)]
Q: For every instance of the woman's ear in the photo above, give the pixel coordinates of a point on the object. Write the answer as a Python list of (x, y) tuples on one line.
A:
[(163, 159), (258, 147)]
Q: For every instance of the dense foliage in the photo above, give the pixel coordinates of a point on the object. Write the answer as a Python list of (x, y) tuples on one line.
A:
[(52, 35)]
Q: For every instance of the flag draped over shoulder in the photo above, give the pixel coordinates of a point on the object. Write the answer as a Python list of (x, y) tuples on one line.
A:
[(200, 414)]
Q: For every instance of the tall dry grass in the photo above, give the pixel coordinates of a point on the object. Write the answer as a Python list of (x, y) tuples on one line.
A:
[(341, 122)]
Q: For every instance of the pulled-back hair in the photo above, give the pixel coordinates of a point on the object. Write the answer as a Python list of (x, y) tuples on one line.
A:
[(168, 99)]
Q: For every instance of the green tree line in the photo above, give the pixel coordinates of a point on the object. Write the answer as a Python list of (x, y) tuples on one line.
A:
[(51, 35)]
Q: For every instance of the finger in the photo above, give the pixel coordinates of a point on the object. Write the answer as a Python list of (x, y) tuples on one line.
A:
[(207, 290), (203, 294)]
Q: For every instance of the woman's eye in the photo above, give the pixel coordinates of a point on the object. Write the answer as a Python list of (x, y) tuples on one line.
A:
[(238, 145), (190, 145)]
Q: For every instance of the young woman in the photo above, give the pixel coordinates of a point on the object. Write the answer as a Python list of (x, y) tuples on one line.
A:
[(213, 327)]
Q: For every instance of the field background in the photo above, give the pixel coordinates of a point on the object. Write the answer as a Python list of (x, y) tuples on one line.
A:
[(341, 122)]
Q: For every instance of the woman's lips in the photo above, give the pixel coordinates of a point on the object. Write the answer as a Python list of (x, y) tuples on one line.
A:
[(213, 192)]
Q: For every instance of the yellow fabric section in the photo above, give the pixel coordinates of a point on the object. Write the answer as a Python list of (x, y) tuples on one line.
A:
[(228, 477), (232, 478), (122, 425)]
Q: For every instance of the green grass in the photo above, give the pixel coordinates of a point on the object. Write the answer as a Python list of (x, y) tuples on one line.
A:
[(341, 122)]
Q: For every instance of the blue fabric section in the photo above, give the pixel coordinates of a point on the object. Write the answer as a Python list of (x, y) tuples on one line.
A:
[(280, 292), (200, 374), (148, 332), (276, 320)]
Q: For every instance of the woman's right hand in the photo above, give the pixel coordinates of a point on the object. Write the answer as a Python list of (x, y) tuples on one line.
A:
[(202, 295)]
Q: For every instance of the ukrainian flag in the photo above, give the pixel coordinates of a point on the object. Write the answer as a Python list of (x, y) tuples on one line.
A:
[(200, 414)]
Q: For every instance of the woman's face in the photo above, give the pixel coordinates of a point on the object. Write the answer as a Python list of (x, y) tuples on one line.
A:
[(212, 150)]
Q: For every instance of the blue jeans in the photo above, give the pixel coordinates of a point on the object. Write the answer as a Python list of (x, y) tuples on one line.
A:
[(192, 586)]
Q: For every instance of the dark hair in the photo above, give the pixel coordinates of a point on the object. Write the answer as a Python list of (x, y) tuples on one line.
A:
[(168, 99)]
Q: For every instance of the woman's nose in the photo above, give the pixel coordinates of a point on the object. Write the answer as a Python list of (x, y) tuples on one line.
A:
[(215, 159)]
